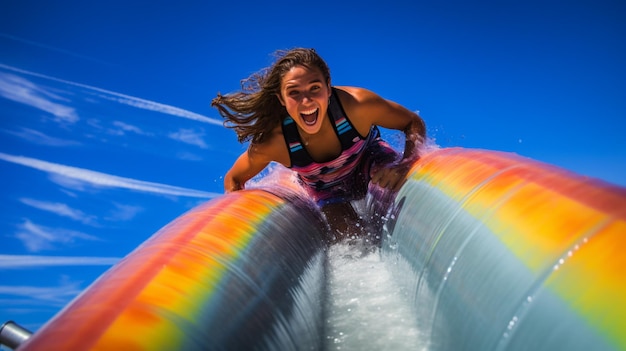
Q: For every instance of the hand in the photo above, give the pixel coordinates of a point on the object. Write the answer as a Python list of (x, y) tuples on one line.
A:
[(391, 176), (231, 184)]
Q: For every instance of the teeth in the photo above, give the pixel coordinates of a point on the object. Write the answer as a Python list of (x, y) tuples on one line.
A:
[(309, 112)]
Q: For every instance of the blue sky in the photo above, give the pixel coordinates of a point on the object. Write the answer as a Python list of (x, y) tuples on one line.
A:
[(107, 134)]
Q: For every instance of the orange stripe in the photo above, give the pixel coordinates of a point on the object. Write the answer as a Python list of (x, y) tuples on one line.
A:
[(549, 218), (90, 315)]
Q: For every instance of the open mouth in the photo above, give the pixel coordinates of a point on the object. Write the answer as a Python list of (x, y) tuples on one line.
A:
[(309, 117)]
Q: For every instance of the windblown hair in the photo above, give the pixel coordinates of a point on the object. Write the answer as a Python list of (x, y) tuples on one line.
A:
[(255, 110)]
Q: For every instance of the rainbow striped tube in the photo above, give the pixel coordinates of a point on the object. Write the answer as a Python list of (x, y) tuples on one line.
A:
[(510, 254), (239, 263), (498, 252)]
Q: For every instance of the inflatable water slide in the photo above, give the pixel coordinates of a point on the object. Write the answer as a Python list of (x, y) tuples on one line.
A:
[(495, 251)]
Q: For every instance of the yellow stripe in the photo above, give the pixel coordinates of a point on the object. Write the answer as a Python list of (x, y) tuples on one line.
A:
[(193, 273)]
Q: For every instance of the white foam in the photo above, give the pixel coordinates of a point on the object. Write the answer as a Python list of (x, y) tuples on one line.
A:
[(367, 308)]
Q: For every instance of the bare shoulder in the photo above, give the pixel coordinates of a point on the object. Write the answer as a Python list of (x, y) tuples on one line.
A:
[(366, 108), (362, 106), (351, 96)]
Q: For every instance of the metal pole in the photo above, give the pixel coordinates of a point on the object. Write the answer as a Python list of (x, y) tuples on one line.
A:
[(13, 335)]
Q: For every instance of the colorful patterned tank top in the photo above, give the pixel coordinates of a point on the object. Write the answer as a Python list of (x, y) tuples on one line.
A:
[(322, 177)]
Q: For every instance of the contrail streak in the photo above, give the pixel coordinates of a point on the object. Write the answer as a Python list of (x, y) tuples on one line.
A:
[(30, 261), (127, 99), (103, 179)]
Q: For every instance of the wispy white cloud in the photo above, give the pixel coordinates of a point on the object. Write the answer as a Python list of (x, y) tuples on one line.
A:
[(99, 179), (124, 212), (60, 209), (70, 184), (48, 295), (189, 136), (37, 137), (31, 261), (128, 100), (120, 212), (56, 295), (188, 156), (37, 237), (155, 106), (123, 128), (21, 90)]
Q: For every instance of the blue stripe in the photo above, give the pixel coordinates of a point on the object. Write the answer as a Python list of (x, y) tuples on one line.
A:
[(344, 127), (296, 147)]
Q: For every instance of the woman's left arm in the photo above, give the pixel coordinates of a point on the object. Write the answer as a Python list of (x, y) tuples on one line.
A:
[(366, 109)]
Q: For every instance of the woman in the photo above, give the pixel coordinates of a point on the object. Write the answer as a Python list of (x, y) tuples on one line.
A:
[(328, 135)]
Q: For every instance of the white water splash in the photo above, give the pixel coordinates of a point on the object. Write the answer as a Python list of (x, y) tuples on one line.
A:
[(367, 308)]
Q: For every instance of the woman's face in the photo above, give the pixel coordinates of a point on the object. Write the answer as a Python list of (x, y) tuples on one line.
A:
[(304, 92)]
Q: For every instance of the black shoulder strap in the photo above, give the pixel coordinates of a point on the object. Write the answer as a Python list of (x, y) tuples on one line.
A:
[(346, 132), (297, 154)]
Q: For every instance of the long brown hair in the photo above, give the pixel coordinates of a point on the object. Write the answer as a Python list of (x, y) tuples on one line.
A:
[(255, 110)]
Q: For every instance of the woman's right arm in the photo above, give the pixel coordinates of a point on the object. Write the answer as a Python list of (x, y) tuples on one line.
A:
[(249, 164)]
